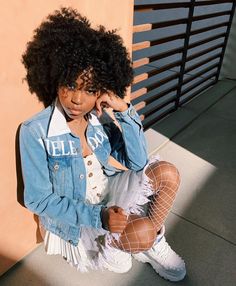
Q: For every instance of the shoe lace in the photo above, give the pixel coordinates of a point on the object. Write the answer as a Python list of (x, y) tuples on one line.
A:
[(162, 249), (115, 255)]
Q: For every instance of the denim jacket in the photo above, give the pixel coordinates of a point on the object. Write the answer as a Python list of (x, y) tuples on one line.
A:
[(53, 168)]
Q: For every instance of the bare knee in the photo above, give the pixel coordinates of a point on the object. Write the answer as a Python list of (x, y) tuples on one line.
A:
[(163, 174)]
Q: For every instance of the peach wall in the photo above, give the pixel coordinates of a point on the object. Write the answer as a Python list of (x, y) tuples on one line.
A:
[(17, 21)]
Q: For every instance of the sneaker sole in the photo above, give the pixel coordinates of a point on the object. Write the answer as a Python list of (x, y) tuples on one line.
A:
[(113, 268), (173, 278)]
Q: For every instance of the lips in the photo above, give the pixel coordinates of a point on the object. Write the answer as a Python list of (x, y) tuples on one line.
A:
[(74, 111)]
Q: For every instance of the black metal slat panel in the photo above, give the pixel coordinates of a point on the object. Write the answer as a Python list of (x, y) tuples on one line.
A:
[(161, 6), (197, 92), (203, 45)]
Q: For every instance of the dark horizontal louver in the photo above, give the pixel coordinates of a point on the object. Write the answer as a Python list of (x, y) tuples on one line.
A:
[(179, 56)]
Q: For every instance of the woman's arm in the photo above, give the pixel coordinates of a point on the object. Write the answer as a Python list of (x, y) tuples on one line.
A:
[(128, 146), (133, 137)]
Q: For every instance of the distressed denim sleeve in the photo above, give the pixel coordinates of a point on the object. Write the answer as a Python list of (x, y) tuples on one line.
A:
[(134, 153), (38, 190)]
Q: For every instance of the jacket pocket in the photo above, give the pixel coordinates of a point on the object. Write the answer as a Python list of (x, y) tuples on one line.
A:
[(61, 175)]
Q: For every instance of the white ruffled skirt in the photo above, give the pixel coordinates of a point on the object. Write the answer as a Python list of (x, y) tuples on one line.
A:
[(131, 191)]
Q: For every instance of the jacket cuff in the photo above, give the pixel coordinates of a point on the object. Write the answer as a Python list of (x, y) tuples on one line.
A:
[(96, 220), (131, 112)]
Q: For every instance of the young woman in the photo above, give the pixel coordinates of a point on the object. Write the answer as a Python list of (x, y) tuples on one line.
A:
[(87, 176)]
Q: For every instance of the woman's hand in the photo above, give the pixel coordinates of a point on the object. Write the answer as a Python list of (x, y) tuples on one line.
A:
[(111, 100), (114, 219)]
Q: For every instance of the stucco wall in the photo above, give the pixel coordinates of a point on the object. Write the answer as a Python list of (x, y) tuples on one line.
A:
[(17, 21)]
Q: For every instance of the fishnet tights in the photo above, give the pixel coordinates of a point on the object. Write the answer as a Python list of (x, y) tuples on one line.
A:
[(140, 232)]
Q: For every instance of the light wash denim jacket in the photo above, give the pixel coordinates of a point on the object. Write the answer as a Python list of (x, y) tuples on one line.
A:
[(54, 172)]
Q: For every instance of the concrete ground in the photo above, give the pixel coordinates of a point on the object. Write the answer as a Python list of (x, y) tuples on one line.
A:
[(200, 139)]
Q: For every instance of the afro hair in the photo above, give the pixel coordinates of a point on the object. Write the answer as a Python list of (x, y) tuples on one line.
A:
[(65, 47)]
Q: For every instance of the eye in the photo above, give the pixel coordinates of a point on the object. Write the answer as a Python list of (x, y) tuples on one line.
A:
[(72, 86), (91, 91)]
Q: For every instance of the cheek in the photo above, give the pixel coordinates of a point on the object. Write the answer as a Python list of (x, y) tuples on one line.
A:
[(64, 103), (63, 100), (92, 101)]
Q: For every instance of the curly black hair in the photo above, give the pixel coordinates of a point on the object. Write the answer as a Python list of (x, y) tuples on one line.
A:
[(65, 47)]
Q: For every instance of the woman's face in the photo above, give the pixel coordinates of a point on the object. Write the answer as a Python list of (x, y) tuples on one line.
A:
[(77, 101)]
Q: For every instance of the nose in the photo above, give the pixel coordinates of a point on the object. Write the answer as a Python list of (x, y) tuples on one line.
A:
[(76, 98)]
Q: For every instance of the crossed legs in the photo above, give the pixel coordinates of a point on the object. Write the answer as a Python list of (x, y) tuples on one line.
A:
[(140, 232)]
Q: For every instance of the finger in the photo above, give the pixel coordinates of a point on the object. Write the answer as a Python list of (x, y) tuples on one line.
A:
[(112, 210), (121, 211), (118, 214), (114, 216), (98, 107), (105, 99), (117, 229), (119, 222), (116, 208)]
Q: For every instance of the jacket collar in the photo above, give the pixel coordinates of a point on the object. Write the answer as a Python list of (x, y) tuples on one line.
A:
[(58, 125)]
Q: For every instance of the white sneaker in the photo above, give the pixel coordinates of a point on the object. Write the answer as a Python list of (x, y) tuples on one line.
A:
[(114, 260), (163, 259)]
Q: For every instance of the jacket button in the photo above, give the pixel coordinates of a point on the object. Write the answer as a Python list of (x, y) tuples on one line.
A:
[(90, 175), (81, 176), (132, 112), (89, 163), (56, 167), (99, 195)]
